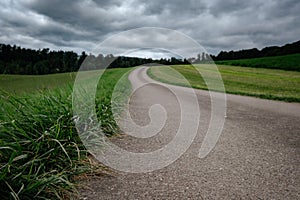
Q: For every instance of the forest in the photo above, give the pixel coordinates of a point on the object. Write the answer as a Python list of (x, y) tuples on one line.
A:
[(17, 60)]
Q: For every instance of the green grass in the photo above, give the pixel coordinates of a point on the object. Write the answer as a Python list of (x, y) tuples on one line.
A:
[(287, 62), (40, 150), (23, 84), (258, 82)]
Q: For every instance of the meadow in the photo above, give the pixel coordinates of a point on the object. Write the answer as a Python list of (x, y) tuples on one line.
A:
[(259, 82), (24, 84), (286, 62), (41, 153)]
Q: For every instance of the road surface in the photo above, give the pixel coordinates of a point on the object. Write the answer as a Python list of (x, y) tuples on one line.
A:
[(257, 155)]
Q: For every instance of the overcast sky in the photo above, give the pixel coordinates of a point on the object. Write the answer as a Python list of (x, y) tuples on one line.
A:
[(217, 25)]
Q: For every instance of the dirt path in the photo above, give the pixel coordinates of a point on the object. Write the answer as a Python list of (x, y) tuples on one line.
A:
[(256, 157)]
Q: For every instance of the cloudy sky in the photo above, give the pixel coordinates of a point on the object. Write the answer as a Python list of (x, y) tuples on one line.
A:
[(217, 25)]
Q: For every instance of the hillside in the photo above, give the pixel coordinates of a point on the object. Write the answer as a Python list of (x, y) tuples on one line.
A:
[(288, 49), (286, 62)]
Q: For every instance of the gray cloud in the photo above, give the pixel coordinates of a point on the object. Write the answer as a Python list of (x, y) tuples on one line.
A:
[(82, 24)]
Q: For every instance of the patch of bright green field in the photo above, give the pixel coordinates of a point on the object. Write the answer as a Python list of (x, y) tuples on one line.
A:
[(21, 84), (263, 83), (24, 84), (286, 62)]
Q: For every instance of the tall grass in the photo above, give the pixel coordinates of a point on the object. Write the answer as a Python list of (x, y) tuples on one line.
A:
[(40, 150)]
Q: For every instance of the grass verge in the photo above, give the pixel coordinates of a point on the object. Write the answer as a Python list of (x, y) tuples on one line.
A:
[(40, 150), (263, 83)]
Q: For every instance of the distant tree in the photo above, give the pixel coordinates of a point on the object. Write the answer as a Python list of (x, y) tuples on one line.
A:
[(81, 59)]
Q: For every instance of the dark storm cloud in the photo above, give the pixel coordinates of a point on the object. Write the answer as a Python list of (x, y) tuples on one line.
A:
[(82, 24)]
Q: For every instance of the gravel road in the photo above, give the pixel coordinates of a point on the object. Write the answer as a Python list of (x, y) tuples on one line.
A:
[(256, 157)]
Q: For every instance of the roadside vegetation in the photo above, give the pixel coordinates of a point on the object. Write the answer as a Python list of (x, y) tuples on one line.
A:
[(264, 83), (41, 153)]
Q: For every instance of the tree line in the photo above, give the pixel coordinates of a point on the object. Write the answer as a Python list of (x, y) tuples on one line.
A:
[(17, 60), (287, 49)]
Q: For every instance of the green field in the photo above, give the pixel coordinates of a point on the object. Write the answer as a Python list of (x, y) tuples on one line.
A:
[(31, 83), (25, 84), (287, 62), (41, 153), (258, 82)]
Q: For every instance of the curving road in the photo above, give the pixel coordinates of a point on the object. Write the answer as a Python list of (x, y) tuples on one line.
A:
[(256, 157)]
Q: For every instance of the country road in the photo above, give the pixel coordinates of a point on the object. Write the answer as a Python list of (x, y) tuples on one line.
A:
[(256, 157)]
